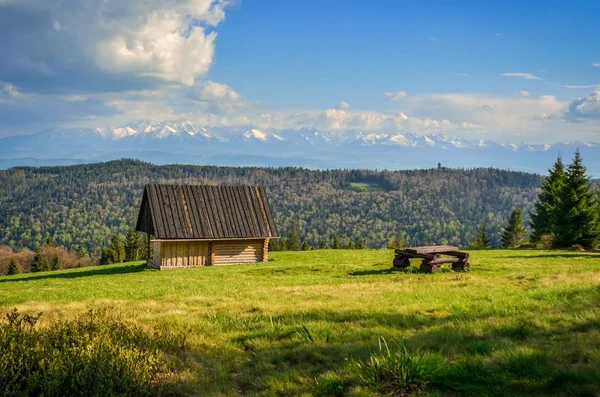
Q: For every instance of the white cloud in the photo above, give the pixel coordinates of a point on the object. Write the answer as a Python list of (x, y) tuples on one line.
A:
[(586, 108), (394, 96), (171, 41), (459, 74), (577, 87), (501, 118), (344, 105), (523, 94), (526, 76), (596, 65), (10, 90)]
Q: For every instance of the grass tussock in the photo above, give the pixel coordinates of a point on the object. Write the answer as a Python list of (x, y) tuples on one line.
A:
[(95, 354), (398, 370)]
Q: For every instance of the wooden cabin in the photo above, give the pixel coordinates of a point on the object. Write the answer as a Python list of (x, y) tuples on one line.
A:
[(192, 225)]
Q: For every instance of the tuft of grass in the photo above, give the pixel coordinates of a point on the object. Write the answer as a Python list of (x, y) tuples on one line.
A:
[(399, 371)]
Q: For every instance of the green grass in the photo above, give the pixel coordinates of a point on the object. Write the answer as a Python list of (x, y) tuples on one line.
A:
[(312, 323), (366, 186)]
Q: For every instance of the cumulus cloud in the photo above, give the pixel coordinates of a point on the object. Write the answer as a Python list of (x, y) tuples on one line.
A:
[(526, 76), (523, 94), (394, 96), (585, 108), (107, 45), (215, 93), (344, 105)]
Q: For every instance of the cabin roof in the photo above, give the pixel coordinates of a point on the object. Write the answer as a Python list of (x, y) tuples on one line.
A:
[(205, 212)]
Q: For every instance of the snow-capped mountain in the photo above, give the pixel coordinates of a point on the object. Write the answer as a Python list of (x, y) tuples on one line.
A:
[(185, 142)]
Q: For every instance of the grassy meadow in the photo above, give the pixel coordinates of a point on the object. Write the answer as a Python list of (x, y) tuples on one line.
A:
[(341, 322)]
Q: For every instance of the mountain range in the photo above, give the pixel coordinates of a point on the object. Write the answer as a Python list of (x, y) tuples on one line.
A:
[(185, 142)]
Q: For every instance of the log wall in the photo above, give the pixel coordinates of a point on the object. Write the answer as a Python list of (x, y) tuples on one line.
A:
[(237, 251)]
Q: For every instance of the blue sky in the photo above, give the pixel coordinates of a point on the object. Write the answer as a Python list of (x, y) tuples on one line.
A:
[(503, 70)]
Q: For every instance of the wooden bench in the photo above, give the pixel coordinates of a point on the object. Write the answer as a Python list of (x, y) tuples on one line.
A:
[(431, 258)]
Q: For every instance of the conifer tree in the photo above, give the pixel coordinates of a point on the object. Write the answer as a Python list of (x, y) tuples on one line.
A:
[(106, 257), (133, 245), (482, 239), (350, 244), (514, 233), (547, 207), (305, 246), (40, 263), (397, 242), (360, 244), (13, 268), (335, 244), (577, 221), (55, 263), (117, 249), (293, 239), (274, 245)]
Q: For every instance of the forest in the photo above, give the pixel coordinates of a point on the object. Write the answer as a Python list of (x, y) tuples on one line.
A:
[(80, 207)]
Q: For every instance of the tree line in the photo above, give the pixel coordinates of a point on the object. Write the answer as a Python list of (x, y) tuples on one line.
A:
[(87, 204)]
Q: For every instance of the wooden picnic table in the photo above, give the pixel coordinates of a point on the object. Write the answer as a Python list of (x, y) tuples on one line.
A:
[(432, 257)]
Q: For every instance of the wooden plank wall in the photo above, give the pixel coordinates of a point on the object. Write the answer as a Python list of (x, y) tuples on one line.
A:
[(184, 253), (238, 251)]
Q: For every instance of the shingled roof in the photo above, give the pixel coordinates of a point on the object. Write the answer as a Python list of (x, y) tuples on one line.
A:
[(205, 212)]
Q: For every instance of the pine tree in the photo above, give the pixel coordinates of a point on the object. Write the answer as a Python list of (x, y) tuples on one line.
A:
[(305, 246), (397, 242), (350, 244), (482, 239), (106, 257), (55, 263), (335, 244), (546, 214), (514, 233), (293, 239), (40, 263), (13, 268), (133, 244), (360, 244), (274, 245), (117, 249), (577, 222)]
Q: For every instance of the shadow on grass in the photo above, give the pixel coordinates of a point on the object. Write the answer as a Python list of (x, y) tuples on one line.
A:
[(379, 272), (561, 255), (90, 271), (395, 270)]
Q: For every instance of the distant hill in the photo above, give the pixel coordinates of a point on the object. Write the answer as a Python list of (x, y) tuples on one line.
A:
[(84, 204), (185, 142)]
